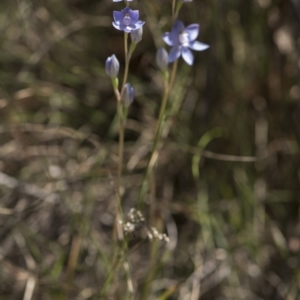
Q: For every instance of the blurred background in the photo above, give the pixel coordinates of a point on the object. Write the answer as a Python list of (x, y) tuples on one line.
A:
[(227, 184)]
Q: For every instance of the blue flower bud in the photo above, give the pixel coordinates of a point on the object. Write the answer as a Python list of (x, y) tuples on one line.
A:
[(162, 59), (128, 95), (136, 35), (112, 66)]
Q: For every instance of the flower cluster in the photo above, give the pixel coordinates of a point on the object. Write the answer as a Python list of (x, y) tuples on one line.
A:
[(153, 234), (135, 222), (182, 39), (126, 20)]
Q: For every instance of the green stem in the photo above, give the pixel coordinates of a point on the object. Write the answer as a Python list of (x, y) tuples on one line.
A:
[(151, 163), (121, 147), (173, 8), (167, 88), (121, 119), (152, 270), (152, 159), (121, 125), (121, 116), (127, 60), (116, 261), (178, 7), (173, 74)]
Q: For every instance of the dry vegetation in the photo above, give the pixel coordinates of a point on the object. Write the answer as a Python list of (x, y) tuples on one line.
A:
[(227, 186)]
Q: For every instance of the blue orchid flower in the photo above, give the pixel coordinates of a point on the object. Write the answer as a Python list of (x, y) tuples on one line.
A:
[(182, 39), (127, 20)]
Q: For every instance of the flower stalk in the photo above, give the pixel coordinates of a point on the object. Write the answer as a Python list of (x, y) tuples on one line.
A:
[(154, 153)]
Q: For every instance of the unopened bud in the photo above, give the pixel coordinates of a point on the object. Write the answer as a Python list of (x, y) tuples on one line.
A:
[(112, 66), (136, 35), (162, 59), (128, 95)]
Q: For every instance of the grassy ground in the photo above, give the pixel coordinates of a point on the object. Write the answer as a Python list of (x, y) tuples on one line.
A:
[(226, 188)]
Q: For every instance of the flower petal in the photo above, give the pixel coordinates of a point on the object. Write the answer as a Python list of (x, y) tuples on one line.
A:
[(168, 38), (118, 26), (118, 16), (192, 31), (125, 10), (138, 24), (175, 53), (128, 29), (177, 28), (198, 46), (134, 15), (188, 56)]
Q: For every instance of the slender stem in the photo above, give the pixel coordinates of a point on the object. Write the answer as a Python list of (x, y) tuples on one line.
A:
[(121, 125), (173, 74), (121, 148), (151, 162), (152, 270), (153, 155), (127, 60), (176, 11), (155, 263), (121, 116), (152, 209), (173, 8), (121, 120), (130, 288), (116, 261)]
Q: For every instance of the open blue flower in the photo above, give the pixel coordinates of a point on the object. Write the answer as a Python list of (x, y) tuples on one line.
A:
[(182, 39), (127, 20)]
